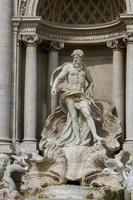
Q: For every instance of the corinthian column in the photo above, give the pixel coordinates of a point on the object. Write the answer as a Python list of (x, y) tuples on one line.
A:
[(129, 95), (53, 64), (30, 97), (5, 75), (118, 76)]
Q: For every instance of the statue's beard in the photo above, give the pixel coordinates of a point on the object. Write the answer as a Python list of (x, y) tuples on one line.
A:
[(77, 64)]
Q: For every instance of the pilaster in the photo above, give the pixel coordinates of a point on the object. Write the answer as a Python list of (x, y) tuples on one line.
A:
[(128, 145)]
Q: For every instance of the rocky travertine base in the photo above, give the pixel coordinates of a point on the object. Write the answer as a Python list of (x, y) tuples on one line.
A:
[(67, 192)]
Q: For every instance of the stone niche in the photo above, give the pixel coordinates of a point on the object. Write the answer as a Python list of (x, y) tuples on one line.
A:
[(98, 59)]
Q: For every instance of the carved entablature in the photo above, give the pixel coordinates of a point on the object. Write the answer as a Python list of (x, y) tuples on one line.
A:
[(26, 25), (127, 19), (81, 34), (74, 34)]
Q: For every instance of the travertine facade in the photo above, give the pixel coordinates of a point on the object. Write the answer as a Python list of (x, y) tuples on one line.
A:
[(43, 35), (37, 36)]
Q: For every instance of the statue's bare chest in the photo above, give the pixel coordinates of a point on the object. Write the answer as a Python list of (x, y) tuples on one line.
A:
[(76, 72)]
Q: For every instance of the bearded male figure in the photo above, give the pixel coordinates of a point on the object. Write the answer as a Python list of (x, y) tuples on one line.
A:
[(76, 76)]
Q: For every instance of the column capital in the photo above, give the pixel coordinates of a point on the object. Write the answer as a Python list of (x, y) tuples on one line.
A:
[(129, 37), (56, 45), (30, 40), (52, 45), (117, 43)]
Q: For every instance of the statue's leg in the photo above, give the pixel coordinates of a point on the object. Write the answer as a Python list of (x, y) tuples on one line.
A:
[(73, 114), (86, 111)]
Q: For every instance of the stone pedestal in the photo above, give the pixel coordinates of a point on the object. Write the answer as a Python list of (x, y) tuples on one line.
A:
[(5, 75)]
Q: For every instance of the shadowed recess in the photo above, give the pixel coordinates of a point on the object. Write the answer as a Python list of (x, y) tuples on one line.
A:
[(80, 11)]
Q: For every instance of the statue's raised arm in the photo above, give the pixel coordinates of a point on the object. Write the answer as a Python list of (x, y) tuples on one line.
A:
[(59, 74)]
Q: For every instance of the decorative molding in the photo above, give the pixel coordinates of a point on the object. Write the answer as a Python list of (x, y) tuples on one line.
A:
[(23, 7), (15, 25), (26, 25), (127, 18), (69, 34), (81, 34)]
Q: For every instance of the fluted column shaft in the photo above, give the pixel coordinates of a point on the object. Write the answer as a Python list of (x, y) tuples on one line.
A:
[(118, 77), (5, 74), (30, 94)]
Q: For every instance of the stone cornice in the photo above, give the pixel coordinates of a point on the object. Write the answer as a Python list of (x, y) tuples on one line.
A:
[(81, 34), (67, 34), (80, 26), (27, 25), (127, 19)]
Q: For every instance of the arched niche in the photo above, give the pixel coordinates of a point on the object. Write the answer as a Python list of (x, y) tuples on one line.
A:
[(32, 6), (80, 12), (88, 27)]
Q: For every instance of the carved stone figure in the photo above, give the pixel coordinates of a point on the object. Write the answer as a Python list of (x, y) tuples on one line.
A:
[(19, 165), (73, 122), (79, 138), (76, 95), (8, 188), (4, 161)]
